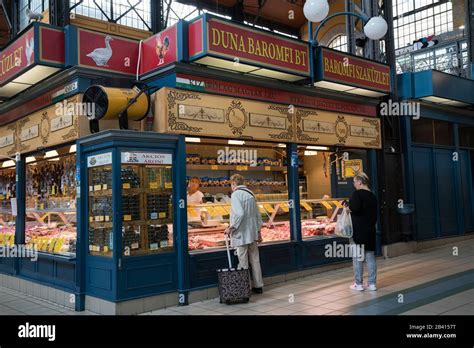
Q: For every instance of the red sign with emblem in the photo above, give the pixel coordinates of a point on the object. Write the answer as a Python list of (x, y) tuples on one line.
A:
[(107, 52), (159, 50), (17, 57), (347, 69)]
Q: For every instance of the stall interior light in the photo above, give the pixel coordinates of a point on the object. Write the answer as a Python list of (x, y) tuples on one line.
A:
[(193, 140), (321, 148), (281, 145), (444, 101), (72, 149), (310, 153), (9, 163), (30, 159), (236, 142), (50, 154)]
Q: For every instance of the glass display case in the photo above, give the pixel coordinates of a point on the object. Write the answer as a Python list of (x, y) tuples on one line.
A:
[(7, 193), (50, 221), (209, 166), (208, 230), (147, 206), (319, 216)]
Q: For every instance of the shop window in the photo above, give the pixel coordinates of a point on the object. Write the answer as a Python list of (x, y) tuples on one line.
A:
[(100, 206), (7, 196), (319, 206), (422, 131), (147, 223), (210, 164), (466, 136), (51, 201), (443, 132)]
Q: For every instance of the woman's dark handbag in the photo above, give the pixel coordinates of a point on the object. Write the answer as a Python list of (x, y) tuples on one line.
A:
[(234, 284)]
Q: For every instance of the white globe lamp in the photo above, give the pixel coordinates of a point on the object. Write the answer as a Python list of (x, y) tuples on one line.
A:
[(376, 28), (316, 10)]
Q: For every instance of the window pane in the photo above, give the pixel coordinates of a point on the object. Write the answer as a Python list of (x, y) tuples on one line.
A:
[(466, 136), (443, 133), (51, 201), (7, 192), (210, 165), (422, 131), (147, 209)]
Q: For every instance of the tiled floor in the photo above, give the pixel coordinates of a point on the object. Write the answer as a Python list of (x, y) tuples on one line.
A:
[(16, 303), (430, 282)]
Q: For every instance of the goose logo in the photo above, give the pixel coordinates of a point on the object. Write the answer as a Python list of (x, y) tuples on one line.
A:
[(92, 161), (102, 55)]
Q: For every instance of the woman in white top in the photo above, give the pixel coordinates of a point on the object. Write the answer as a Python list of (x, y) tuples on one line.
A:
[(194, 195)]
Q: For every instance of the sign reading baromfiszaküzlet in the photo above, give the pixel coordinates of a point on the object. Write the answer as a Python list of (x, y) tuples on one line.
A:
[(343, 68)]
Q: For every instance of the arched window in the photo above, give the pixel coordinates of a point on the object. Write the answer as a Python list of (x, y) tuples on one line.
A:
[(339, 43)]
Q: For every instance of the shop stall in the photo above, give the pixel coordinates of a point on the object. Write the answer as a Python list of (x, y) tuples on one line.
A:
[(129, 214)]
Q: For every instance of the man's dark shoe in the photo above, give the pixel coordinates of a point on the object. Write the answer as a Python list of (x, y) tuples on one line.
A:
[(257, 290)]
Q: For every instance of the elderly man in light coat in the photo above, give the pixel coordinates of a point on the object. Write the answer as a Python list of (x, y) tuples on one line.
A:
[(244, 229)]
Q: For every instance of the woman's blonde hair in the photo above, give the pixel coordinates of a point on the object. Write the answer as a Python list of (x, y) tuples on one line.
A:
[(363, 178)]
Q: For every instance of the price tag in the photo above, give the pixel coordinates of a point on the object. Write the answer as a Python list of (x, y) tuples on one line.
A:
[(97, 218), (91, 188), (326, 205), (91, 219), (268, 208), (59, 244), (97, 187), (134, 246), (214, 167), (104, 187), (168, 185), (192, 212), (127, 218), (107, 218), (242, 168), (42, 206), (154, 216), (91, 248), (163, 243), (106, 249), (162, 215), (153, 246), (126, 186), (153, 185), (268, 168), (101, 218)]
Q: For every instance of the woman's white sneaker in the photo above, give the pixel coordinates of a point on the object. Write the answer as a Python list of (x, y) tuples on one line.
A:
[(356, 287), (371, 287)]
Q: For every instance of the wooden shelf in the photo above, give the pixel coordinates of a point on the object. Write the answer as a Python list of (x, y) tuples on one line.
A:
[(101, 193), (96, 225), (217, 167)]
